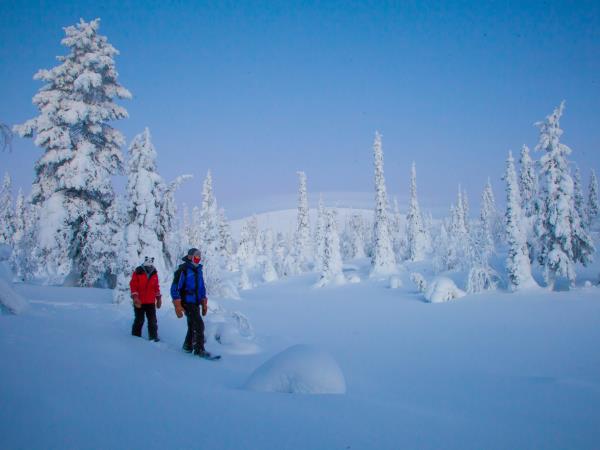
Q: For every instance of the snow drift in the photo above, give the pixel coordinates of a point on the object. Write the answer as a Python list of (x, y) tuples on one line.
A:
[(300, 369), (9, 299)]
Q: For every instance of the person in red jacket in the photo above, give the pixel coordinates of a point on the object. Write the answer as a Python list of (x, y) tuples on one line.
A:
[(145, 293)]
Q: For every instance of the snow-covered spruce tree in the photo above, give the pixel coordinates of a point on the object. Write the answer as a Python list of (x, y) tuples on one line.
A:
[(247, 251), (72, 190), (302, 244), (353, 243), (142, 227), (209, 217), (593, 208), (487, 220), (465, 210), (528, 183), (320, 234), (194, 236), (417, 237), (7, 227), (186, 227), (383, 260), (518, 266), (578, 200), (397, 234), (563, 241), (269, 273), (173, 242), (209, 239), (19, 227), (331, 264), (226, 244)]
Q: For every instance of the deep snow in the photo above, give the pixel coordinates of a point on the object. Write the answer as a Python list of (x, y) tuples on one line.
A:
[(493, 370)]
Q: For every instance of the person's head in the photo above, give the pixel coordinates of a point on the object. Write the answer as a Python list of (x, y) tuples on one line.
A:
[(194, 256), (148, 262)]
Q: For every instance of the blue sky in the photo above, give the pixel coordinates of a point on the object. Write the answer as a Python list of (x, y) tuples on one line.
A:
[(255, 91)]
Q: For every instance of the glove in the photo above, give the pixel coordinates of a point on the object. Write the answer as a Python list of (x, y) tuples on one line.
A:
[(178, 308), (158, 301), (136, 300), (204, 306)]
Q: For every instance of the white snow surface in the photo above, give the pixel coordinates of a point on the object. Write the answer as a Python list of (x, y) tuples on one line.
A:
[(300, 369), (495, 370)]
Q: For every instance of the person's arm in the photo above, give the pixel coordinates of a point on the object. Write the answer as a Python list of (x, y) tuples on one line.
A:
[(202, 294), (134, 289), (176, 294), (158, 295)]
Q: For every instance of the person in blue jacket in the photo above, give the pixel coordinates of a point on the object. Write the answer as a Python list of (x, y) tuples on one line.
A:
[(189, 297)]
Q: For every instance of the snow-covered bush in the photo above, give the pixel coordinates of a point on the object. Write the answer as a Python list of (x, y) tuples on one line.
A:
[(442, 289), (300, 369), (419, 281), (481, 278)]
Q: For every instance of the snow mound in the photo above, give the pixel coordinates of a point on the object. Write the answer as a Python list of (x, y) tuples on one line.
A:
[(395, 282), (442, 289), (300, 369), (232, 330), (9, 299)]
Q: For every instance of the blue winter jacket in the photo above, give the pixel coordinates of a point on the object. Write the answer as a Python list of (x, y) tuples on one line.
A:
[(186, 289)]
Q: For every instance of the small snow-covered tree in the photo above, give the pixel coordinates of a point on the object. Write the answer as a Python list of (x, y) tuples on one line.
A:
[(465, 210), (331, 264), (562, 239), (517, 262), (593, 208), (417, 236), (21, 248), (528, 183), (7, 228), (397, 232), (302, 247), (383, 260), (72, 191)]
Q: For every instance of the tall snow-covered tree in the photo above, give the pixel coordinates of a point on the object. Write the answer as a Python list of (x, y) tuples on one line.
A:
[(173, 243), (302, 247), (142, 227), (465, 210), (417, 236), (22, 259), (72, 190), (247, 250), (226, 244), (592, 207), (320, 233), (487, 219), (209, 217), (354, 242), (7, 228), (383, 260), (528, 183), (331, 263), (186, 226), (517, 263), (562, 239), (269, 273), (578, 201)]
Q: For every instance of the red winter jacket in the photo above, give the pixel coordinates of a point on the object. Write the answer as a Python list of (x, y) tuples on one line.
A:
[(146, 286)]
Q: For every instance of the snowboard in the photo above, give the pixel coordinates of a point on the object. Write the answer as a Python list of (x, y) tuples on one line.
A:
[(210, 357)]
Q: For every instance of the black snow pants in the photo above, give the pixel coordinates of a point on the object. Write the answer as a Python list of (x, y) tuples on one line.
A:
[(149, 310), (194, 339)]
